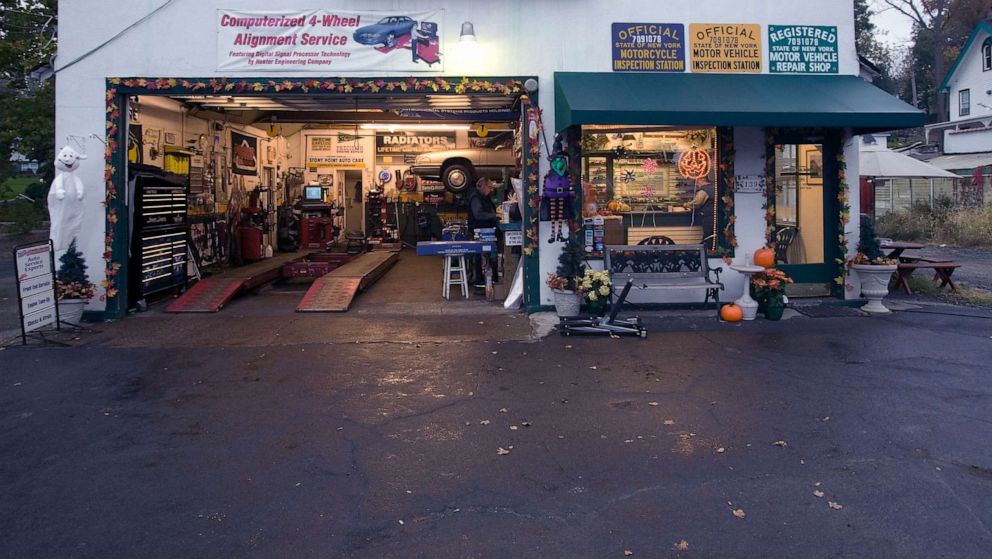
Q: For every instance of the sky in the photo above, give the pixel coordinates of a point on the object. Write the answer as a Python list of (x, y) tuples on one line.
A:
[(897, 27)]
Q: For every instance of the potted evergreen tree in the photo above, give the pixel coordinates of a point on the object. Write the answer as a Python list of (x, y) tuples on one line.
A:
[(564, 281), (72, 285), (873, 267)]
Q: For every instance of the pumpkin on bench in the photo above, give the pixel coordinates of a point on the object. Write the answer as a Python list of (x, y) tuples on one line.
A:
[(665, 267)]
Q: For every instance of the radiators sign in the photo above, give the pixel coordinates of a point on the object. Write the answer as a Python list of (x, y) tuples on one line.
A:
[(802, 49), (329, 40), (725, 47), (648, 47)]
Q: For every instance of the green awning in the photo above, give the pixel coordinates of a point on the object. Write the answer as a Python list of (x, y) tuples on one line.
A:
[(786, 101)]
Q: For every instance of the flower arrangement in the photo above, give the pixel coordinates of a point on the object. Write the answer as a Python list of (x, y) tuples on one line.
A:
[(769, 285), (557, 282), (570, 266), (869, 249), (71, 281), (595, 286)]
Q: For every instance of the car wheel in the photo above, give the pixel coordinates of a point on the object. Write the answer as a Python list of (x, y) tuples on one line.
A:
[(390, 41), (457, 178)]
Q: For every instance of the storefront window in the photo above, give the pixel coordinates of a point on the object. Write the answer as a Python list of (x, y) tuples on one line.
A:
[(655, 181)]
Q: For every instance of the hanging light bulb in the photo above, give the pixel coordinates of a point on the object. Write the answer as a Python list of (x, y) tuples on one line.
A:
[(273, 130)]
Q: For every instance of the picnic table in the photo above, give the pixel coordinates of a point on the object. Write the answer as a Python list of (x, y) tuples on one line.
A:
[(943, 268)]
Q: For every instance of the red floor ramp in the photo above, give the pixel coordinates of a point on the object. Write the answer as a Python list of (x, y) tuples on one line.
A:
[(329, 294), (335, 291), (207, 295)]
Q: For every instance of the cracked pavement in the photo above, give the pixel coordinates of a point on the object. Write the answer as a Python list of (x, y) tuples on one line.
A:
[(293, 440)]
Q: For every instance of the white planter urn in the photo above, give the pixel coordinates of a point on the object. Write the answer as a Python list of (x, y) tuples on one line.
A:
[(567, 303), (71, 311), (874, 285)]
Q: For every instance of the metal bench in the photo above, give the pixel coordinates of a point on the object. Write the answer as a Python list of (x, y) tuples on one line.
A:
[(665, 267)]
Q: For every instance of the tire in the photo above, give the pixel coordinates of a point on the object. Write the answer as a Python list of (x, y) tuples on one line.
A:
[(457, 178), (390, 41)]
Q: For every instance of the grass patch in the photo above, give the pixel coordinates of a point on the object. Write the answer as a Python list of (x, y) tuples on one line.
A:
[(13, 187), (975, 296), (922, 285), (943, 223)]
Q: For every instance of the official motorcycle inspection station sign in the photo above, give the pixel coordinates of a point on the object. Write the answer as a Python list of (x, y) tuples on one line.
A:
[(648, 47), (802, 49), (725, 47), (34, 265), (326, 40)]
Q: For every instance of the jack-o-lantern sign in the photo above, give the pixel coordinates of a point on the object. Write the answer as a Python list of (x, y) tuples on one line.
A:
[(694, 163)]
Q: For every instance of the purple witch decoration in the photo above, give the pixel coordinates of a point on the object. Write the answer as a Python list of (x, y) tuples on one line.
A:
[(557, 200)]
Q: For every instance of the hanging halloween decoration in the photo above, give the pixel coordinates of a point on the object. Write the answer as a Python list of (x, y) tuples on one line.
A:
[(557, 199), (650, 166), (694, 163), (65, 199), (628, 176)]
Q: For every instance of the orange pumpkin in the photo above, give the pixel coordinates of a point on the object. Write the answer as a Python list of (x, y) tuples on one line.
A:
[(764, 257), (732, 313)]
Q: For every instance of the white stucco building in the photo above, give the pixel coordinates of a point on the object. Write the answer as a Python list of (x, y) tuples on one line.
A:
[(771, 90)]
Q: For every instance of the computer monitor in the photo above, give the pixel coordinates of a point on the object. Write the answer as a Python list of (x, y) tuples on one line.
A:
[(313, 194)]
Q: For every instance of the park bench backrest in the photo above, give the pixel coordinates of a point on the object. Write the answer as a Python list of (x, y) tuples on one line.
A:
[(659, 262)]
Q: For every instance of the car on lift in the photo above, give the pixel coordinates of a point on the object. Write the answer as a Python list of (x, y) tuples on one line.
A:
[(457, 169), (386, 31)]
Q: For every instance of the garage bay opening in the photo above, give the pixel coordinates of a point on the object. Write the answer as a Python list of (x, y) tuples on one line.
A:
[(320, 202)]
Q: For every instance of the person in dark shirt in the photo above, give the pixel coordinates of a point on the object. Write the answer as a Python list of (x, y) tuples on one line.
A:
[(481, 215), (702, 206)]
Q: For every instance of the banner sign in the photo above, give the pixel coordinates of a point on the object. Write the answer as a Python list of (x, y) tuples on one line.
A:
[(340, 150), (37, 300), (329, 40), (245, 154), (389, 144), (804, 49), (725, 47), (648, 47)]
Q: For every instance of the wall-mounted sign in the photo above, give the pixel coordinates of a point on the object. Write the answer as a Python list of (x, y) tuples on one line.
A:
[(35, 267), (648, 47), (329, 40), (805, 49), (245, 154), (393, 143), (341, 150), (725, 47), (749, 184)]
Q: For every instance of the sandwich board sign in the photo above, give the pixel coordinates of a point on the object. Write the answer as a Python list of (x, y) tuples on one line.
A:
[(36, 298)]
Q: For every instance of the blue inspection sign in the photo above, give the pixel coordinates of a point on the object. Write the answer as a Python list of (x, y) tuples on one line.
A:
[(648, 47)]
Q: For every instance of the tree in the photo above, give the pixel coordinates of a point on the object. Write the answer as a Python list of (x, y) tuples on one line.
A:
[(940, 30), (866, 36), (27, 108)]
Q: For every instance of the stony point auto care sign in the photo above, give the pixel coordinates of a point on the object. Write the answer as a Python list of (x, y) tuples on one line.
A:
[(325, 40)]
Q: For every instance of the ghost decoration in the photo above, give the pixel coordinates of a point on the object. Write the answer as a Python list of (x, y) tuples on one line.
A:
[(65, 199)]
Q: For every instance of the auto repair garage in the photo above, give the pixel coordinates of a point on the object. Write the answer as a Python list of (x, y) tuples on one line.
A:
[(316, 191)]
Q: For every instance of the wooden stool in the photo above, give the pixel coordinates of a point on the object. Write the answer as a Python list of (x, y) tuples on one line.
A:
[(455, 273)]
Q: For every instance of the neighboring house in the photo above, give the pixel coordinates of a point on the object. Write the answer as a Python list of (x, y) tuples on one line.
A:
[(23, 165), (968, 129)]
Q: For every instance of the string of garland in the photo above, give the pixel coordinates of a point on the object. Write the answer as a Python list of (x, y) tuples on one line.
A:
[(109, 283), (341, 85), (533, 157), (843, 216), (771, 188), (728, 240), (223, 85)]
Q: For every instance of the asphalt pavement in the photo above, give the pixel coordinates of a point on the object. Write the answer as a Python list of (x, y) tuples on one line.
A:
[(462, 434)]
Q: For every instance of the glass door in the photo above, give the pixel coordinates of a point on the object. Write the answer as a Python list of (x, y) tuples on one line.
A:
[(803, 224)]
